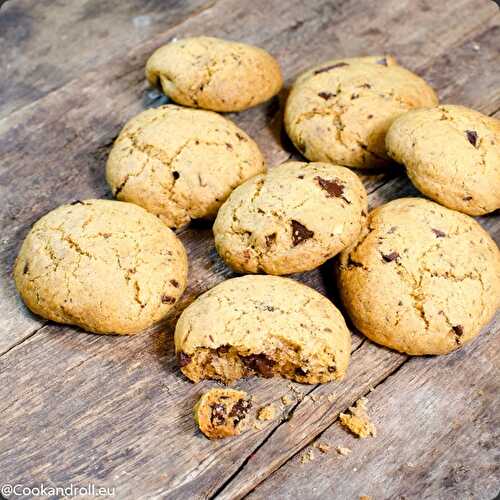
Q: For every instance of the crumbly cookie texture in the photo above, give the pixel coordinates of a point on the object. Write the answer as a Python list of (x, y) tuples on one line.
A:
[(451, 154), (179, 163), (422, 279), (264, 325), (221, 413), (211, 73), (358, 421), (106, 266), (292, 219), (339, 112)]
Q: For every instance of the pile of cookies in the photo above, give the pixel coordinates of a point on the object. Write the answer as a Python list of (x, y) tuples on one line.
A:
[(414, 275)]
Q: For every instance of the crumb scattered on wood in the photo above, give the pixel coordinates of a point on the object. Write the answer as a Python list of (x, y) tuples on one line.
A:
[(286, 400), (365, 497), (371, 388), (357, 420), (267, 412), (344, 451), (308, 456), (259, 425), (298, 394), (332, 397), (323, 447)]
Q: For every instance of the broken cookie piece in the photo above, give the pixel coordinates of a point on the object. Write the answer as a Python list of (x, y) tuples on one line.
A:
[(357, 420), (267, 412), (221, 413)]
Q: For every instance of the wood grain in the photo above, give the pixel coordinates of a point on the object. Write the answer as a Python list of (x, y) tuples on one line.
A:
[(115, 410)]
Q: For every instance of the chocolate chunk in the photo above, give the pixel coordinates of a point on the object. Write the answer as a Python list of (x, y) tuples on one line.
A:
[(300, 371), (328, 68), (229, 146), (333, 187), (366, 86), (390, 257), (176, 174), (300, 233), (458, 330), (300, 176), (218, 415), (167, 299), (77, 202), (354, 96), (332, 369), (438, 233), (239, 410), (183, 359), (471, 137), (326, 95), (240, 137), (26, 268), (174, 283), (260, 363), (467, 198), (270, 239), (369, 117), (382, 61)]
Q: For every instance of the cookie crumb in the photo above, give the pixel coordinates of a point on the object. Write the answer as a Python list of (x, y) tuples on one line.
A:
[(344, 451), (357, 420), (332, 397), (286, 400), (308, 456), (323, 447), (365, 497), (266, 412)]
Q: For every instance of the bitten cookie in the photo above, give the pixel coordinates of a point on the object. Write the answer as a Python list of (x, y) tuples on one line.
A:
[(339, 112), (221, 413), (451, 154), (423, 279), (292, 219), (263, 325), (106, 266), (211, 73), (179, 163)]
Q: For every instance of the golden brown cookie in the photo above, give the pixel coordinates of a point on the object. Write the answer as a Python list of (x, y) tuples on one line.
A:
[(106, 266), (216, 74), (291, 219), (451, 154), (221, 413), (423, 279), (339, 112), (180, 163), (263, 325)]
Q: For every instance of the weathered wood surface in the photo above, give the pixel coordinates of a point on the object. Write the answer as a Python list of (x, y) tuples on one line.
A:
[(115, 411)]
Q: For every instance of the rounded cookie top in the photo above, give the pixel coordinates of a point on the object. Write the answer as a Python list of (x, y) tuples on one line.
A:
[(451, 154), (291, 219), (340, 111), (423, 279), (180, 163), (262, 324), (211, 73), (106, 266)]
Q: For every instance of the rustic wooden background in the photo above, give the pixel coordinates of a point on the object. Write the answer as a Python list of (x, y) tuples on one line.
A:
[(79, 408)]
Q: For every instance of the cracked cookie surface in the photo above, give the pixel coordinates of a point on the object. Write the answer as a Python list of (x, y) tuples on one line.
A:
[(291, 219), (221, 413), (180, 164), (340, 111), (265, 325), (106, 266), (211, 73), (451, 154), (422, 279)]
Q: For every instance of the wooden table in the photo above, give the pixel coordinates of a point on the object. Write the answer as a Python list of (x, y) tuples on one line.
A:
[(115, 411)]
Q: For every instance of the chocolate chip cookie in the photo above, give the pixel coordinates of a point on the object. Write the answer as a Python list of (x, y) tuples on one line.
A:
[(264, 325), (180, 163), (451, 154), (106, 266), (422, 279), (291, 219), (340, 111), (210, 73), (221, 413)]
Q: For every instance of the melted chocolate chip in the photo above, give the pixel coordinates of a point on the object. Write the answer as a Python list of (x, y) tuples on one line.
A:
[(390, 257), (467, 198), (218, 415), (471, 136), (382, 61), (26, 268), (167, 299), (229, 146), (183, 359), (300, 372), (300, 233), (174, 283), (326, 95), (332, 369), (240, 137), (77, 202), (239, 410), (438, 233), (270, 239), (260, 363), (458, 330), (175, 174), (328, 68)]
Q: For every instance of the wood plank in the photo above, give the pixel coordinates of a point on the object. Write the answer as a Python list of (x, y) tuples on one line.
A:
[(447, 407), (47, 44), (54, 151)]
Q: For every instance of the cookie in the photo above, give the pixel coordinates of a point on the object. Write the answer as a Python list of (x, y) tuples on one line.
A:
[(451, 154), (106, 266), (291, 219), (422, 279), (210, 73), (179, 163), (339, 112), (221, 413), (263, 325)]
